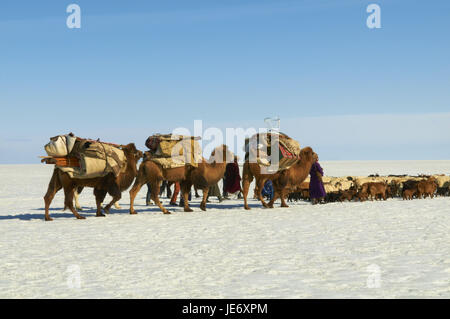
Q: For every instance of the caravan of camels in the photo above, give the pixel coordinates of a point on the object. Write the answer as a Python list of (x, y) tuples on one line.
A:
[(272, 159)]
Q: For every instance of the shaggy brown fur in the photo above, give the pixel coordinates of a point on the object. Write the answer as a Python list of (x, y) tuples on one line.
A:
[(348, 195), (206, 174), (377, 190), (102, 185), (362, 196), (408, 194), (426, 188)]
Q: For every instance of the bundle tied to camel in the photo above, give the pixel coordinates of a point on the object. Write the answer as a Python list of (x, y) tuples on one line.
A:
[(259, 148), (84, 158), (171, 151)]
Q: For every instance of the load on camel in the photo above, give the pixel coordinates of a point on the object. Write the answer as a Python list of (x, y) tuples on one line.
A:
[(277, 157), (177, 158), (106, 167)]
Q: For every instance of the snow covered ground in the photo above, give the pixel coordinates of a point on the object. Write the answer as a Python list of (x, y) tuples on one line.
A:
[(374, 249)]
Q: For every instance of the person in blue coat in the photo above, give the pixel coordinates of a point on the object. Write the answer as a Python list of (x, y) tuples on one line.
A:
[(268, 190)]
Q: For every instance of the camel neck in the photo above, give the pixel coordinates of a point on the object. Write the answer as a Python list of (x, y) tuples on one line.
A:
[(130, 173)]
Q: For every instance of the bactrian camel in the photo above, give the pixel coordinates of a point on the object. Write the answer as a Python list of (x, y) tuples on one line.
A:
[(102, 185), (206, 174), (282, 180)]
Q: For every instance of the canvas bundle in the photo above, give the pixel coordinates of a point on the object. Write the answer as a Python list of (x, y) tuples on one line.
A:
[(85, 158), (60, 146), (172, 151), (99, 159), (259, 147)]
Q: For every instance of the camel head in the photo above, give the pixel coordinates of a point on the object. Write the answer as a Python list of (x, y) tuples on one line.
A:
[(131, 150), (307, 154), (221, 154)]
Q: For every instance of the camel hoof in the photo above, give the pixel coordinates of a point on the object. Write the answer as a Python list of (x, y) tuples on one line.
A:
[(133, 212), (100, 215), (286, 206), (167, 213), (188, 210), (81, 217), (203, 208), (48, 219)]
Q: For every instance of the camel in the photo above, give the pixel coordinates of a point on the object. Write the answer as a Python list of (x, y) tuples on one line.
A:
[(282, 180), (206, 174), (102, 185), (292, 177)]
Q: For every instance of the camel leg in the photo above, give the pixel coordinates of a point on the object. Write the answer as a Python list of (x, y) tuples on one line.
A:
[(117, 206), (53, 187), (283, 199), (77, 203), (185, 189), (245, 188), (205, 197), (260, 184), (247, 178), (141, 180), (100, 195), (196, 192), (154, 186), (76, 194), (116, 194), (276, 195), (68, 200)]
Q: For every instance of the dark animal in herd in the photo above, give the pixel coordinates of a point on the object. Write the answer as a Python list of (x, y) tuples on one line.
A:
[(443, 191), (348, 195)]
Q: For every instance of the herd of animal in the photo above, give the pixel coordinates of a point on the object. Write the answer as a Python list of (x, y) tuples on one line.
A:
[(378, 188), (209, 172)]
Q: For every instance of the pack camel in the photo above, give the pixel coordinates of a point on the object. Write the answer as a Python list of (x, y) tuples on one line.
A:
[(84, 158), (172, 151), (259, 147)]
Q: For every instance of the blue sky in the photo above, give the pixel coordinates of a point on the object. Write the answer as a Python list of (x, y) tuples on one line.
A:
[(140, 67)]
